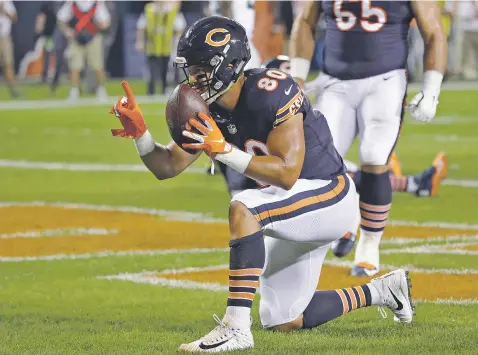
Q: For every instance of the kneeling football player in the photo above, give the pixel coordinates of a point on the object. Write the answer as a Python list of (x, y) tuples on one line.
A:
[(279, 234)]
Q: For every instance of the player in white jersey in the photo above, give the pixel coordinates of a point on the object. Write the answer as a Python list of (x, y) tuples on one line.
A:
[(365, 83)]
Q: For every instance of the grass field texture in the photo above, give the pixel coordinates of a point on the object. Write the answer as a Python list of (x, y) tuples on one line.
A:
[(98, 257)]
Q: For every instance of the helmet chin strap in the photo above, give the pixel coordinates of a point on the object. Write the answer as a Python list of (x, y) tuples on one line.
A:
[(215, 94)]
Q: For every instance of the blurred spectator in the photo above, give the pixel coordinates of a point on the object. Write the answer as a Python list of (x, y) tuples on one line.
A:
[(417, 46), (60, 43), (109, 36), (247, 14), (45, 25), (154, 36), (194, 10), (468, 17), (8, 15), (80, 22)]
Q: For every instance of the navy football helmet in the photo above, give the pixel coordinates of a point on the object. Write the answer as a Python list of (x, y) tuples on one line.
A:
[(218, 49), (281, 62)]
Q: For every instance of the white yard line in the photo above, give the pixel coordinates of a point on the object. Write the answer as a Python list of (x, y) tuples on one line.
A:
[(59, 232), (92, 167), (183, 216)]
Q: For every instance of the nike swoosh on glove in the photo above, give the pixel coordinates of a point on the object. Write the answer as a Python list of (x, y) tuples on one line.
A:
[(129, 114), (211, 140), (423, 106)]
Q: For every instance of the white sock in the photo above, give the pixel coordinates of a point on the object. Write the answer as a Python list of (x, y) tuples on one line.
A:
[(367, 250), (74, 92), (238, 317), (412, 186), (376, 298)]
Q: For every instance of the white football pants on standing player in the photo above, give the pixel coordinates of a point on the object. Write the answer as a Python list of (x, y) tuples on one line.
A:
[(372, 109)]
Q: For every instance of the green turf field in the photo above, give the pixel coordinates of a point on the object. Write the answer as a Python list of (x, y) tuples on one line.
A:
[(99, 262)]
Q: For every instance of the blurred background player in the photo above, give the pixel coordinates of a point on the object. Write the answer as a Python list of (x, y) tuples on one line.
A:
[(156, 28), (8, 15), (109, 37), (245, 13), (45, 25), (81, 23), (364, 89)]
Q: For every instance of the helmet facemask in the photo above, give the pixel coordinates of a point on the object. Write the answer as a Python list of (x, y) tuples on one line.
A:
[(211, 78)]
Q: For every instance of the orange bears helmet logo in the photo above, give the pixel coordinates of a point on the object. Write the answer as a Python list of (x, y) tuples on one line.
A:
[(214, 43)]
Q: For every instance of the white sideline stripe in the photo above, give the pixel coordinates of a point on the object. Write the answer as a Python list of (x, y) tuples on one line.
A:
[(450, 301), (461, 183), (91, 101), (63, 166), (25, 164), (59, 232), (349, 264), (106, 253), (431, 249), (65, 103), (405, 241)]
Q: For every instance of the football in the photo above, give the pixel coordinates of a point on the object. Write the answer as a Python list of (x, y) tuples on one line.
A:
[(183, 104)]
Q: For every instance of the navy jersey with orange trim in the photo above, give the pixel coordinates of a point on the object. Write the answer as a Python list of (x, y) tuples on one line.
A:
[(365, 38), (269, 98)]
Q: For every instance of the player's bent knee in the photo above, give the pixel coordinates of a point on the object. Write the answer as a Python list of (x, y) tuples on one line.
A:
[(241, 221), (373, 155)]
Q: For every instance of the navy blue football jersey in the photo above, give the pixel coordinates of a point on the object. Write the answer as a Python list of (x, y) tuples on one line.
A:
[(269, 98), (365, 38)]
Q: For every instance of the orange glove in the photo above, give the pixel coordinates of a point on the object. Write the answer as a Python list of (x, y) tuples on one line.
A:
[(211, 141), (129, 114)]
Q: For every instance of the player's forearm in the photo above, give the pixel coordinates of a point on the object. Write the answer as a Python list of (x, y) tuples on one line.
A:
[(272, 170), (302, 41), (436, 48), (164, 162), (160, 163)]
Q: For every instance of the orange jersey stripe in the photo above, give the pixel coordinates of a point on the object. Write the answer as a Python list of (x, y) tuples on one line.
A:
[(241, 283), (344, 300), (243, 295), (285, 118), (376, 208), (245, 272), (363, 302), (352, 298), (305, 202), (287, 105)]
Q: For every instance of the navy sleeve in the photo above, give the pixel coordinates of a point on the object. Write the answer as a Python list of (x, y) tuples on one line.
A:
[(275, 96), (290, 101)]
